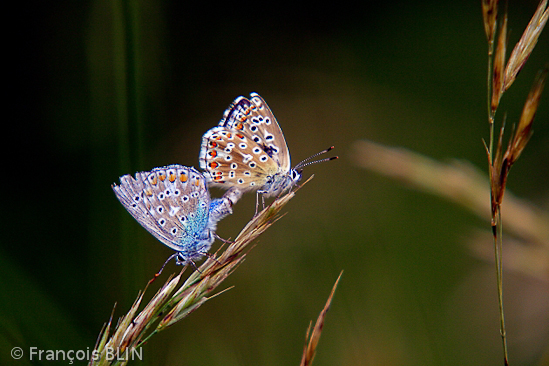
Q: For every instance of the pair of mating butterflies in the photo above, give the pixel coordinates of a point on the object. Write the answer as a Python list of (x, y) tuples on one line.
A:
[(246, 151)]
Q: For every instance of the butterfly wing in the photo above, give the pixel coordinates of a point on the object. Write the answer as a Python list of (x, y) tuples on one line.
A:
[(247, 149), (255, 119), (172, 203), (230, 158)]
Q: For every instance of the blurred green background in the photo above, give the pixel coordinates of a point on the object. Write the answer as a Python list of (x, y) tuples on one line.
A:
[(99, 89)]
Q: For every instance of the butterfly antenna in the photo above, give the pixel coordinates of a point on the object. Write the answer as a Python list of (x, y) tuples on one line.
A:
[(306, 162)]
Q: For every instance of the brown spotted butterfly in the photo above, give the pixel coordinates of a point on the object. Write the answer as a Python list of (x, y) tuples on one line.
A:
[(248, 150)]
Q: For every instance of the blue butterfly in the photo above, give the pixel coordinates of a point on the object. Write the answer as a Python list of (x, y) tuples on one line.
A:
[(174, 205)]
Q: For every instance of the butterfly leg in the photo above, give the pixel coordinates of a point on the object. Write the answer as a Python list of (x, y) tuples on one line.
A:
[(212, 257), (156, 275), (223, 240), (259, 192)]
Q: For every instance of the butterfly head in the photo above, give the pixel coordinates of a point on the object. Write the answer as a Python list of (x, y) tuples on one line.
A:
[(282, 182)]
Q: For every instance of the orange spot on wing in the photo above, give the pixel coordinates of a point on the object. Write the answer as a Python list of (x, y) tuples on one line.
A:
[(171, 178), (212, 153), (213, 165), (183, 177)]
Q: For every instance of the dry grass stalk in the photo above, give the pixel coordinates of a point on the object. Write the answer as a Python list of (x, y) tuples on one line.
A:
[(166, 309), (309, 349), (500, 163), (526, 44)]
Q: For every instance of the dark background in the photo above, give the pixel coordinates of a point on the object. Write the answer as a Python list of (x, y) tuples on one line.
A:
[(98, 89)]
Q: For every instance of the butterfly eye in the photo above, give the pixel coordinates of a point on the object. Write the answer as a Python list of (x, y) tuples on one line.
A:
[(296, 175)]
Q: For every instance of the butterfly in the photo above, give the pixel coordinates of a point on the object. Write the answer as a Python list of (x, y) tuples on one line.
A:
[(174, 205), (248, 150)]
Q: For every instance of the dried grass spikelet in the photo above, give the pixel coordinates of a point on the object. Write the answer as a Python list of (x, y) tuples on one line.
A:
[(503, 162), (166, 307), (526, 44), (489, 15), (524, 129), (465, 185), (499, 66), (130, 328), (309, 349)]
